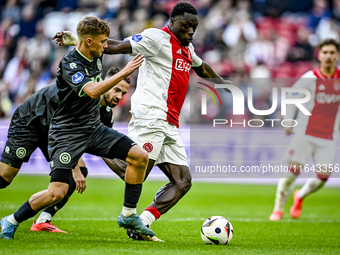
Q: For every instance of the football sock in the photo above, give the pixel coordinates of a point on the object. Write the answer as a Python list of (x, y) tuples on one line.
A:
[(24, 212), (44, 217), (283, 191), (310, 186), (12, 220), (3, 183), (132, 194), (128, 211), (149, 216)]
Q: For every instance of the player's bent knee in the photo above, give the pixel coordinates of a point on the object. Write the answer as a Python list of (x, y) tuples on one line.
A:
[(57, 192), (137, 156)]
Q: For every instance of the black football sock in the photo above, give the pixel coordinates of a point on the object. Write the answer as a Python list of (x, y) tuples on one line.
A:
[(132, 194), (24, 212)]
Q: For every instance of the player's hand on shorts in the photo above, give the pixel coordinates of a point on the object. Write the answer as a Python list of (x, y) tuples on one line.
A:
[(79, 179), (136, 62), (66, 38)]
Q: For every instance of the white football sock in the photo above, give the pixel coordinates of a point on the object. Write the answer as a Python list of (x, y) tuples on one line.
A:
[(283, 191), (128, 211), (44, 217), (147, 218), (12, 220), (310, 186)]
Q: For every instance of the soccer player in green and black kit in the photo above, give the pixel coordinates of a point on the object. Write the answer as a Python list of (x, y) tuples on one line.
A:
[(29, 130), (76, 128)]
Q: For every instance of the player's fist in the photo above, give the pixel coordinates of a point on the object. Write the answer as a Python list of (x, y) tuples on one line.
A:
[(66, 38)]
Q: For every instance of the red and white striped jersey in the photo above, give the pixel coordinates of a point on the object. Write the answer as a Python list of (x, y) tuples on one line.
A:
[(163, 78), (323, 105)]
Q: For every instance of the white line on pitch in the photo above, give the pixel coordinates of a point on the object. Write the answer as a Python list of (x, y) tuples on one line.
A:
[(303, 220)]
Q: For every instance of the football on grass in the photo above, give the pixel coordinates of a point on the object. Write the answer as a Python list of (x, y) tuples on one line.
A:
[(217, 230)]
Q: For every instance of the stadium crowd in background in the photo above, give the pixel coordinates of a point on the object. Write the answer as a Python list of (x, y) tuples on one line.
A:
[(238, 38)]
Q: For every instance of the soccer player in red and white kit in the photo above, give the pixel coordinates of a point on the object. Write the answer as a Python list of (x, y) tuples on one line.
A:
[(315, 134), (162, 84)]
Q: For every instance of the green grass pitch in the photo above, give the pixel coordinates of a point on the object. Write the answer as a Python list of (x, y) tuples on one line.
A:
[(90, 220)]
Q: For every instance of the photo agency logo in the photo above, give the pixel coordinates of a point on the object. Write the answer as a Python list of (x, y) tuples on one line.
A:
[(299, 96)]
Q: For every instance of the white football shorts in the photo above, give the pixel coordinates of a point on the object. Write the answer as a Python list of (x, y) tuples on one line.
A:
[(302, 147), (160, 139)]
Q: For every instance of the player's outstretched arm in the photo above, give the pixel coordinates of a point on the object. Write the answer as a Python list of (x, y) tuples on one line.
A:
[(95, 90), (67, 38), (118, 47), (206, 72)]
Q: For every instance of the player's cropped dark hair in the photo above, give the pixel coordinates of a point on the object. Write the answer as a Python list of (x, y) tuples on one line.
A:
[(113, 70), (92, 26), (329, 41), (181, 8)]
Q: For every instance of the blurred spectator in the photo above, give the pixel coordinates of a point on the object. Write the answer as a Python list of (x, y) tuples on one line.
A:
[(14, 73), (11, 10), (28, 21), (319, 10), (302, 50), (66, 5)]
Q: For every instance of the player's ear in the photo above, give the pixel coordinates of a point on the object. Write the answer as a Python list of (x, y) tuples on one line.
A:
[(172, 21), (88, 41)]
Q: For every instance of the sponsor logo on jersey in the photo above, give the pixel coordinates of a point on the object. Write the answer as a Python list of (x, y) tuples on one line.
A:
[(99, 64), (323, 98), (148, 147), (21, 152), (73, 65), (7, 149), (108, 108), (78, 77), (321, 87), (179, 51), (181, 65), (137, 38), (52, 164), (336, 86), (65, 158)]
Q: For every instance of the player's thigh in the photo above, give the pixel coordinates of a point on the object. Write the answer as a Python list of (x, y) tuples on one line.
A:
[(149, 135), (8, 172), (299, 150)]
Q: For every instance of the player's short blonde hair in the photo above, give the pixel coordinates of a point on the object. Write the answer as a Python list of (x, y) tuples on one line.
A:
[(92, 26)]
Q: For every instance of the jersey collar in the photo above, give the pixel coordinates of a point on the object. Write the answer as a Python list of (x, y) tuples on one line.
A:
[(81, 54), (334, 75)]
